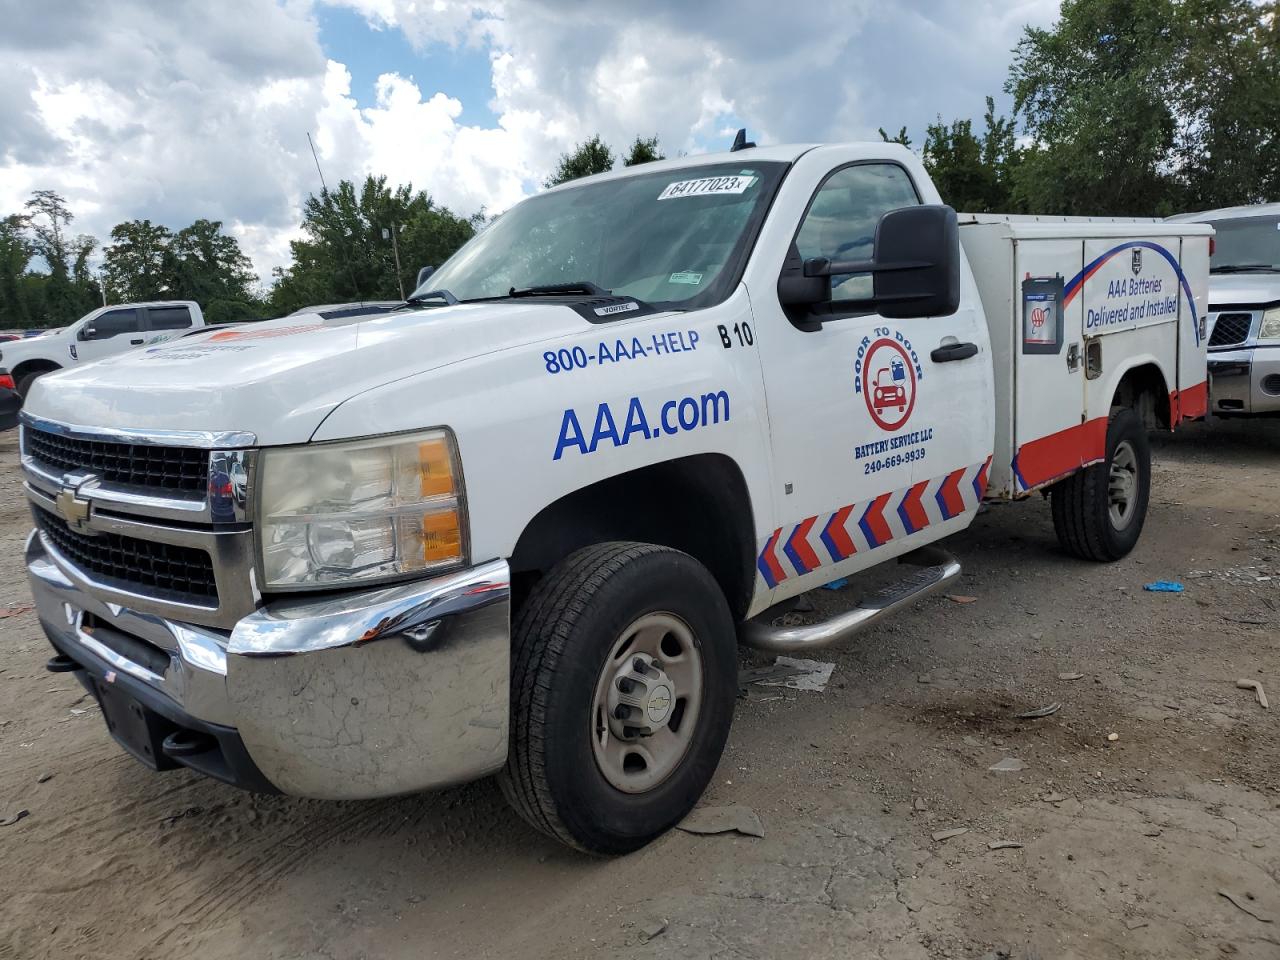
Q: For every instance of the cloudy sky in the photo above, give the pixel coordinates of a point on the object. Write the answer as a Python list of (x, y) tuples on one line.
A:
[(177, 109)]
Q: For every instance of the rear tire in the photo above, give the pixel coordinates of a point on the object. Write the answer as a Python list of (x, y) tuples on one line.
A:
[(1098, 513), (582, 775)]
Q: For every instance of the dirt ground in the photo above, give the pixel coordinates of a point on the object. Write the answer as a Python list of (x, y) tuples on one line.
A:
[(1128, 847)]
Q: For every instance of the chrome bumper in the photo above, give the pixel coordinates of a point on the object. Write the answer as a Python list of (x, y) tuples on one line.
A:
[(367, 694), (1239, 380)]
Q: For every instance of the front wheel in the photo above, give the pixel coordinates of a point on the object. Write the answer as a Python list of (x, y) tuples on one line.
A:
[(1099, 512), (624, 676)]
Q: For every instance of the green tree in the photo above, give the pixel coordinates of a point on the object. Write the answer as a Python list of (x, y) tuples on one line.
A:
[(138, 265), (344, 255), (643, 150), (55, 297), (1228, 98), (204, 264), (973, 173), (901, 137), (15, 255), (590, 156), (1148, 106)]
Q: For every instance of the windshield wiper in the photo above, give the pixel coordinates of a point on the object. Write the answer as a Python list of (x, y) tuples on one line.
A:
[(583, 287), (1245, 268), (444, 295)]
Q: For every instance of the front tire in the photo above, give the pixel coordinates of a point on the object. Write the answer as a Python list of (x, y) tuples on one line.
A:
[(1098, 513), (624, 677), (24, 385)]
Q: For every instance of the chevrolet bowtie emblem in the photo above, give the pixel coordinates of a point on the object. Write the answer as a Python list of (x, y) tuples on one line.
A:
[(72, 509)]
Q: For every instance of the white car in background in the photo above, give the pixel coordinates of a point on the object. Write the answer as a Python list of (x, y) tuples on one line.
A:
[(102, 333), (1244, 309)]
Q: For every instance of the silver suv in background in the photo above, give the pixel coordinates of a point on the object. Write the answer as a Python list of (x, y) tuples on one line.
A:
[(1244, 309)]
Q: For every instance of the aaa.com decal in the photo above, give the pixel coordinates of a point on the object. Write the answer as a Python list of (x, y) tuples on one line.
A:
[(887, 374)]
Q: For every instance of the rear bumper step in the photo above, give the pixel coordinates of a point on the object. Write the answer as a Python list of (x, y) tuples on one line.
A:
[(936, 568)]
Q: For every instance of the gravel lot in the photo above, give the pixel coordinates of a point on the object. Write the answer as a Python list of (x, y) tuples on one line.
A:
[(1127, 846)]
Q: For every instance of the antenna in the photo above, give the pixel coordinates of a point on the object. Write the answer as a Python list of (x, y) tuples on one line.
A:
[(740, 142), (324, 192)]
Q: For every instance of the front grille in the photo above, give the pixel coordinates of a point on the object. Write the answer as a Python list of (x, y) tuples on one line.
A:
[(171, 469), (168, 572), (1230, 329)]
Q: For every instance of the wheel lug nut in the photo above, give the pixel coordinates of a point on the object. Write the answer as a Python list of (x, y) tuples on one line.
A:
[(622, 711), (639, 665), (626, 685)]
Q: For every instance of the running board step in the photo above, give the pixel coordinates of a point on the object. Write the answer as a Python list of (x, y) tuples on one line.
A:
[(937, 568)]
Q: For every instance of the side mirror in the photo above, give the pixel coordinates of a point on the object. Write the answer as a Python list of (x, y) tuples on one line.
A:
[(915, 271), (423, 275), (86, 333)]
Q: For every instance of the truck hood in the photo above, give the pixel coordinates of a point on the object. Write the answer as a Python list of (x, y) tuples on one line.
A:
[(13, 352), (1243, 289), (279, 379)]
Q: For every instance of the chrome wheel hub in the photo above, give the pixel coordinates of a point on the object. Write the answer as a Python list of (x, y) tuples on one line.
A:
[(647, 702)]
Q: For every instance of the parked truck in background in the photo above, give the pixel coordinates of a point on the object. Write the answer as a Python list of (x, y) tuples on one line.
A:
[(101, 333), (1244, 309), (520, 525)]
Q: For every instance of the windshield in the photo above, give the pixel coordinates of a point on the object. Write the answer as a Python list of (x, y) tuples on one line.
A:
[(676, 238), (1246, 243)]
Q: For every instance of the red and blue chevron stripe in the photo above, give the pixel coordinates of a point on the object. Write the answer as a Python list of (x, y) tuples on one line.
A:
[(830, 538)]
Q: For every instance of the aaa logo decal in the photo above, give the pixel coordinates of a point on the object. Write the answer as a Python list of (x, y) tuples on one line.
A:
[(887, 377)]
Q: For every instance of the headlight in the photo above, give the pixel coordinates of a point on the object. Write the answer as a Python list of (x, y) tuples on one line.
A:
[(367, 510), (1270, 329)]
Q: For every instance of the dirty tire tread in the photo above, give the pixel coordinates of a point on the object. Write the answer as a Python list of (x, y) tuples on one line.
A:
[(1079, 502), (541, 635), (557, 638)]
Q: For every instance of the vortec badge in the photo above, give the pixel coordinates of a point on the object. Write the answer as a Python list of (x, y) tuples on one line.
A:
[(72, 509)]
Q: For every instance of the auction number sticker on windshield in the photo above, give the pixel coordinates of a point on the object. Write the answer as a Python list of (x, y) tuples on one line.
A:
[(705, 186)]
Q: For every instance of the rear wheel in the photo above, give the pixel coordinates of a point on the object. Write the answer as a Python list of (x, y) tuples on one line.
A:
[(624, 676), (1099, 512)]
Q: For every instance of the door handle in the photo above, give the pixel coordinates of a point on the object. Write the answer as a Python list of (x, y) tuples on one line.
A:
[(136, 342), (954, 351)]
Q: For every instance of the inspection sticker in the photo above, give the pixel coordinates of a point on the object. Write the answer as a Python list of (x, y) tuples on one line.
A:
[(707, 185), (685, 276)]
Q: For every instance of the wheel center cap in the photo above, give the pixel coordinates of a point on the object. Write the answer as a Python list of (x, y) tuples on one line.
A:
[(641, 698), (658, 708)]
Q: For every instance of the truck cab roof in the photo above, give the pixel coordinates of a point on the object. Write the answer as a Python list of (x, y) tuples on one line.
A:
[(1230, 213)]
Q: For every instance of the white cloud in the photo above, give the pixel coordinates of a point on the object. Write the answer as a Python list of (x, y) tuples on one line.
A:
[(177, 111)]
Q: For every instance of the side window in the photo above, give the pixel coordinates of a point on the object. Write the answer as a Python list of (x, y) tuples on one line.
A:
[(841, 222), (169, 318), (113, 323)]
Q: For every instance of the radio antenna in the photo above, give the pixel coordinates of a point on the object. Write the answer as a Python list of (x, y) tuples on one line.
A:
[(324, 192)]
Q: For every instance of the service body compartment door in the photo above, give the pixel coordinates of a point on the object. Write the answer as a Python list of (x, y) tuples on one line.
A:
[(1131, 292), (1049, 424)]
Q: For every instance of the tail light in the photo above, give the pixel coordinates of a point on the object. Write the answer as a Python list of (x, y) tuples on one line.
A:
[(6, 380)]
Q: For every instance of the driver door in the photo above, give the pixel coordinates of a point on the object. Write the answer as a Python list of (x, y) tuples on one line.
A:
[(876, 447), (109, 333)]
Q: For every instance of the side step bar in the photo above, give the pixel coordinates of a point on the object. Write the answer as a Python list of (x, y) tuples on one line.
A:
[(937, 569)]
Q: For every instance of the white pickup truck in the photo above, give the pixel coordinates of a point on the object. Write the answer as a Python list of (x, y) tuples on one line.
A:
[(521, 525), (1244, 309), (102, 333)]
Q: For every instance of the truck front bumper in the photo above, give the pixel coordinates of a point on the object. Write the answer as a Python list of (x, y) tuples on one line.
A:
[(1245, 381), (363, 694)]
